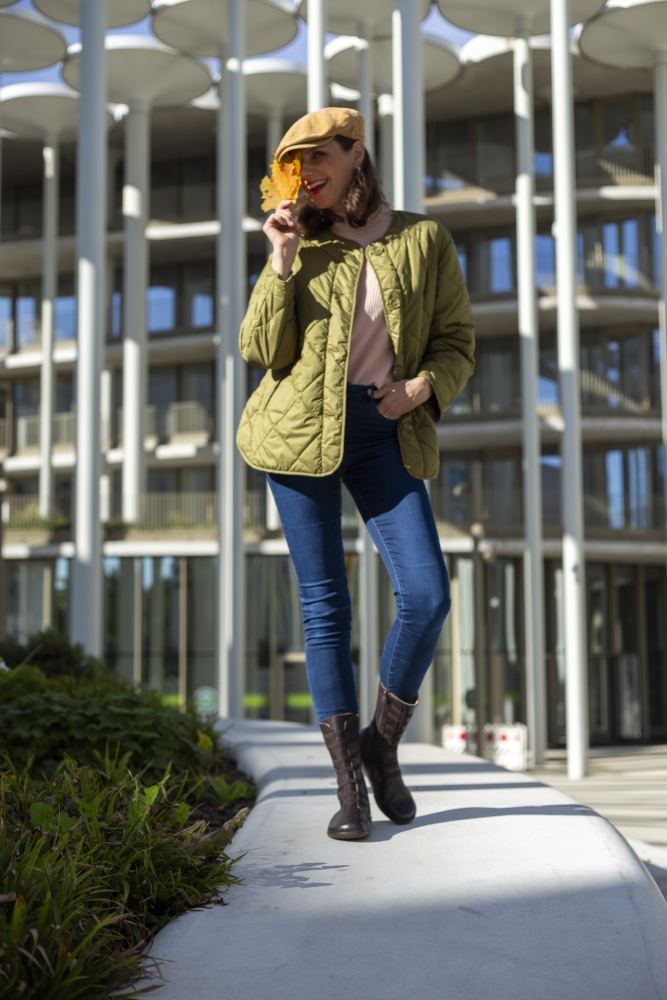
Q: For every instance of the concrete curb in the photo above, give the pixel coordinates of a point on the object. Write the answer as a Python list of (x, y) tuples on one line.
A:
[(502, 886)]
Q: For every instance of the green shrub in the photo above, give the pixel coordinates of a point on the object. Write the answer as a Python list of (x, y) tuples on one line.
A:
[(54, 654), (92, 863), (114, 812)]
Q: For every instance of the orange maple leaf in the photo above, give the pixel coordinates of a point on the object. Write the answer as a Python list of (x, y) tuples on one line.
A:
[(284, 182)]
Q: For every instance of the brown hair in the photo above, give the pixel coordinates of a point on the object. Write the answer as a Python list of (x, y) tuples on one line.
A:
[(363, 197)]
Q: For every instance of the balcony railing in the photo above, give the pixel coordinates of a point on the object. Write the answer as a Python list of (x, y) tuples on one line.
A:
[(177, 511), (28, 434), (4, 435), (594, 168), (190, 420), (21, 513)]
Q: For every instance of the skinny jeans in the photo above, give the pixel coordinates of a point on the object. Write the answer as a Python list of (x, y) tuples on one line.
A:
[(397, 512)]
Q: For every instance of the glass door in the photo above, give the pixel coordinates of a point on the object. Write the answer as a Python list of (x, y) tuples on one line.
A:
[(597, 604), (626, 663)]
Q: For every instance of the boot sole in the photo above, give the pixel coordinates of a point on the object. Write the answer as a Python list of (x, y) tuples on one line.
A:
[(348, 836)]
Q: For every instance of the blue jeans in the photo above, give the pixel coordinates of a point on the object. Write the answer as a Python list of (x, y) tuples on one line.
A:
[(397, 512)]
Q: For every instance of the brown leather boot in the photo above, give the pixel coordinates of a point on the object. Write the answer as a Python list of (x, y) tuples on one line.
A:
[(353, 819), (378, 744)]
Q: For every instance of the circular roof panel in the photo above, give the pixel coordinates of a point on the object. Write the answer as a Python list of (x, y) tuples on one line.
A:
[(501, 17), (28, 43), (366, 18), (629, 36), (276, 85), (140, 68), (200, 26), (119, 12), (440, 64), (38, 110)]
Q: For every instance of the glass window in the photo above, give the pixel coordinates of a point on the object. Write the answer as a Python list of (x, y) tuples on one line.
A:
[(615, 491), (545, 260), (162, 480), (454, 491), (201, 612), (496, 264), (64, 396), (448, 156), (162, 386), (26, 397), (548, 390), (65, 310), (160, 624), (543, 160), (584, 140), (164, 200), (198, 188), (119, 612), (197, 480), (495, 152), (640, 488), (630, 239), (197, 384), (502, 496), (27, 314), (611, 249), (116, 314), (619, 127), (162, 299), (550, 474), (198, 293), (497, 375), (6, 310)]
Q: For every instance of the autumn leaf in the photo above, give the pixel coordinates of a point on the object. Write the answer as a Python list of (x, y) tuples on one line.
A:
[(284, 183)]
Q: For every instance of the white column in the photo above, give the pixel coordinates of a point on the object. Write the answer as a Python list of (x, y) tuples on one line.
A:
[(135, 280), (50, 185), (274, 131), (408, 88), (86, 623), (318, 86), (528, 334), (369, 653), (366, 92), (386, 129), (574, 569), (660, 127), (231, 374)]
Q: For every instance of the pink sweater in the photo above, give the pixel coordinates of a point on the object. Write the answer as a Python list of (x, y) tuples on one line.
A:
[(371, 350)]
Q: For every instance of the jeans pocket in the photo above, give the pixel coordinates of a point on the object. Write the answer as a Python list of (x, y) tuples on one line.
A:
[(389, 420)]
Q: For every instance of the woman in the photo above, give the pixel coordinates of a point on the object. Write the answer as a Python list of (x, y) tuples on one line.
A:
[(362, 319)]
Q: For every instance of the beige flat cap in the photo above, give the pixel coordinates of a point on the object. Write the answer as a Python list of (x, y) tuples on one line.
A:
[(319, 126)]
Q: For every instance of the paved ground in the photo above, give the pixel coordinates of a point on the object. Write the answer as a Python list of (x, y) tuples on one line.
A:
[(502, 886), (629, 787)]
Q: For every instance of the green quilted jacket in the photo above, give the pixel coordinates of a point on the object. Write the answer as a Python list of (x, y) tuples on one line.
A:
[(299, 329)]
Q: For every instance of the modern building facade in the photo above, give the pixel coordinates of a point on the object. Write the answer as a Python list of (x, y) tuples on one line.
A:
[(160, 572)]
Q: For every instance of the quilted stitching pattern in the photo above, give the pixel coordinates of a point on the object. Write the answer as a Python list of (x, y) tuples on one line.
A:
[(299, 330)]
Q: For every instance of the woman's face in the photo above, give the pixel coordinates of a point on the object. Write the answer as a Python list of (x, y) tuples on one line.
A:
[(326, 173)]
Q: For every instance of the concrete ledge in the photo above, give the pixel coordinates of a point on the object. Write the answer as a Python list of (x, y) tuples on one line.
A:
[(501, 887)]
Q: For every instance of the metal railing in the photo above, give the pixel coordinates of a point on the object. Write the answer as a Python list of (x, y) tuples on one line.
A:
[(64, 428), (594, 167), (21, 513), (177, 511), (167, 423), (5, 435), (27, 433)]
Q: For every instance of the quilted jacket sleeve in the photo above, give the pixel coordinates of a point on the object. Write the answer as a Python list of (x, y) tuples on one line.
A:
[(269, 334), (449, 359)]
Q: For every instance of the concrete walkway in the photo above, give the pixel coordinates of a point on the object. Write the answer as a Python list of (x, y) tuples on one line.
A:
[(628, 785), (502, 886)]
